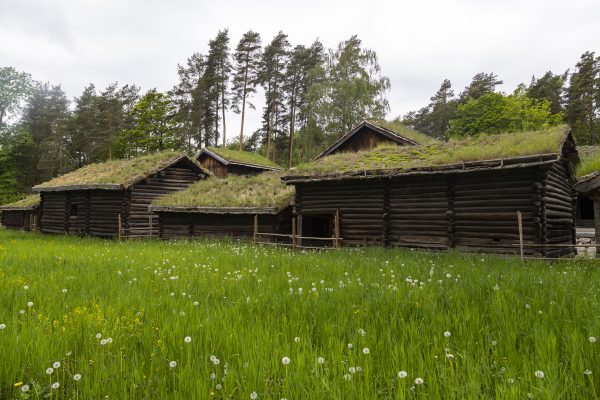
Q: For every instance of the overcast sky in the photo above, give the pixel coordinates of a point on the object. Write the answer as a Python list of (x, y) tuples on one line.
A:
[(419, 43)]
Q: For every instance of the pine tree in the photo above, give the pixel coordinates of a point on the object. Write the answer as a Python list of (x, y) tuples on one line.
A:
[(218, 68), (245, 76), (84, 126), (549, 87), (273, 65), (481, 84), (442, 109), (583, 98)]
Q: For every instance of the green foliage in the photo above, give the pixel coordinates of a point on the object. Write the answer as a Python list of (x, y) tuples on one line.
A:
[(583, 99), (28, 201), (495, 113), (353, 88), (590, 160), (216, 81), (402, 130), (262, 190), (152, 130), (549, 87), (456, 150), (15, 88), (242, 304), (480, 85)]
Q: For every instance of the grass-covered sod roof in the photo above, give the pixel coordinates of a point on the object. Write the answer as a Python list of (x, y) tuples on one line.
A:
[(27, 203), (243, 157), (437, 153), (265, 190), (590, 160), (403, 131), (116, 174)]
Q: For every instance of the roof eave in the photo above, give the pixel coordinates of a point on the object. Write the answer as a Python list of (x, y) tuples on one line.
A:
[(216, 210), (99, 186)]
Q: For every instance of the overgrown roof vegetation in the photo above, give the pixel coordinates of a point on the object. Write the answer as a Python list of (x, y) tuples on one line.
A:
[(482, 147), (402, 130), (116, 172), (29, 201), (263, 190), (590, 160), (245, 157)]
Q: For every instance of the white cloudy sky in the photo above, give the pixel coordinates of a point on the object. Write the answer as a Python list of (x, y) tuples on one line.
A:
[(419, 43)]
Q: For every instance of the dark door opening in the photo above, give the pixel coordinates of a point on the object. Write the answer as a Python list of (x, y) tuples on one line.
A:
[(318, 226), (585, 211)]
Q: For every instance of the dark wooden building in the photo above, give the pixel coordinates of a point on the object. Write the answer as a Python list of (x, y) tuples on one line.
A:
[(224, 162), (23, 214), (370, 134), (94, 199), (226, 207), (426, 203), (589, 187)]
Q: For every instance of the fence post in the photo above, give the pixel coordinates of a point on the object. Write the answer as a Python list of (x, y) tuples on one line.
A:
[(520, 220), (255, 233), (337, 228), (120, 235), (294, 232)]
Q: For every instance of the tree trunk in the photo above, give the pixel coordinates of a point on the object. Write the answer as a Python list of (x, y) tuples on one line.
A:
[(269, 129), (292, 128), (223, 101)]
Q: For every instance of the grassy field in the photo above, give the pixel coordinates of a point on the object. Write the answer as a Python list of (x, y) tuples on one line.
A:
[(208, 319)]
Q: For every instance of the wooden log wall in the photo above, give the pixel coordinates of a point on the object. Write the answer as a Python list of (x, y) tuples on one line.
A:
[(186, 225), (77, 211), (474, 211), (216, 167), (104, 209), (559, 207), (17, 219), (360, 203), (419, 212), (53, 212), (141, 195), (366, 139), (485, 210)]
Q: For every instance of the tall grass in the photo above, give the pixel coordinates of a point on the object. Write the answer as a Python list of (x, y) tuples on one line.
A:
[(246, 305)]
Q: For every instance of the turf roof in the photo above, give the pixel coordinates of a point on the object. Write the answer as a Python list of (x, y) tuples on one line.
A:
[(243, 157), (262, 190), (117, 174), (403, 131), (27, 203), (590, 160), (436, 154)]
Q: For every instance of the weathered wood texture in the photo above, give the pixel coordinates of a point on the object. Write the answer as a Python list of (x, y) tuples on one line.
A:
[(187, 225), (475, 211), (96, 212), (140, 195), (221, 170), (366, 139), (19, 219), (597, 222)]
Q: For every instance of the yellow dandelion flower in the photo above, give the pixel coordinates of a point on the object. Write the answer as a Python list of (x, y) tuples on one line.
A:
[(18, 384)]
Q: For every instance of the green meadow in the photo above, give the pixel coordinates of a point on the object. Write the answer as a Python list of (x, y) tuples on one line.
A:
[(92, 319)]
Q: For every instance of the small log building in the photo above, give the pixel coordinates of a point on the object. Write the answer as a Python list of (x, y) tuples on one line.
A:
[(111, 199), (370, 134), (224, 162), (413, 197), (589, 186), (23, 214), (226, 208)]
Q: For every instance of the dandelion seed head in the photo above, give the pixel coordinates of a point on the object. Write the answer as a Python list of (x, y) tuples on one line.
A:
[(56, 364), (253, 395), (103, 342), (447, 334), (64, 290), (587, 372), (77, 377), (2, 326), (366, 350), (172, 364), (30, 304), (352, 370), (347, 377), (402, 374), (55, 385), (350, 345), (98, 335), (24, 388), (187, 339), (109, 340), (297, 339), (418, 381), (285, 360), (49, 371), (218, 386), (539, 374), (321, 360), (592, 339)]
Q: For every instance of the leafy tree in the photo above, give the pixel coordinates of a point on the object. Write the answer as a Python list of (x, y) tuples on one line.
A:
[(189, 97), (583, 98), (272, 76), (496, 113), (353, 90), (84, 127), (152, 130), (245, 76), (481, 84), (549, 87), (15, 88), (218, 68), (16, 147)]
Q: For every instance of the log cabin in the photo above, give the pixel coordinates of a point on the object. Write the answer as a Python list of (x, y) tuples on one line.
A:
[(590, 162), (22, 215), (462, 194), (226, 208), (373, 133), (222, 162), (111, 199), (588, 188)]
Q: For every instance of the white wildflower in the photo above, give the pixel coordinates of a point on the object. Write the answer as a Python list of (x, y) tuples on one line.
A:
[(285, 360), (447, 334), (50, 371), (539, 374), (366, 350), (418, 381), (172, 364), (55, 385), (56, 364), (77, 377), (187, 339), (321, 360), (402, 374)]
